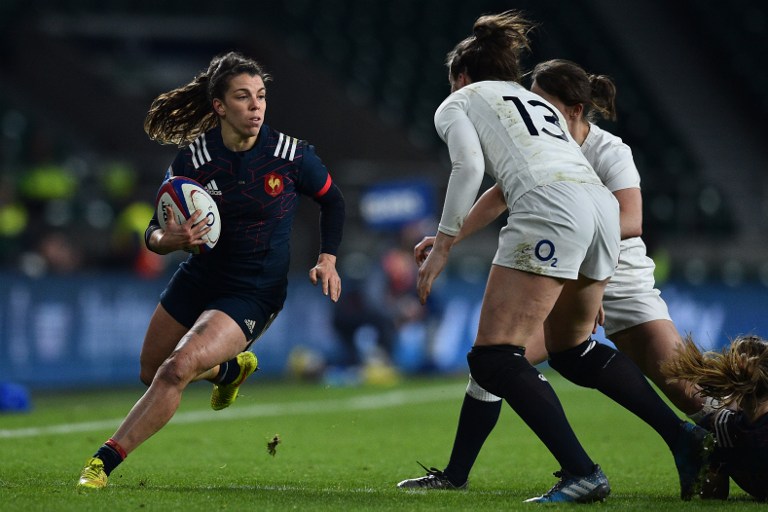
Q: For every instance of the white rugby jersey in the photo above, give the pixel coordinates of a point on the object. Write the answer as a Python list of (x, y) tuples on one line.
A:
[(612, 161), (512, 134)]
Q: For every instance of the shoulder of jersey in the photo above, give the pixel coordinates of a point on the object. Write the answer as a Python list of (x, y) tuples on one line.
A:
[(185, 196), (286, 147), (199, 153)]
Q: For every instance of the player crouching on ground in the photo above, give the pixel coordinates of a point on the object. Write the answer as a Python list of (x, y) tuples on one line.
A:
[(737, 377)]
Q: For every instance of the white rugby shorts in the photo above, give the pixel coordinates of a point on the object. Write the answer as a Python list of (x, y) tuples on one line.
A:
[(630, 298), (562, 230)]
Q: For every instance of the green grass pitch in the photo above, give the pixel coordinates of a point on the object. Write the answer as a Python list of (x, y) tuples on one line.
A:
[(341, 449)]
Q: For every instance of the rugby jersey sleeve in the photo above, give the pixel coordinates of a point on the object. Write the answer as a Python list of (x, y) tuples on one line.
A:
[(314, 178), (612, 160), (316, 182), (467, 163)]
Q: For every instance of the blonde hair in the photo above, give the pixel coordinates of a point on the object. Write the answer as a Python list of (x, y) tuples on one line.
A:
[(736, 375)]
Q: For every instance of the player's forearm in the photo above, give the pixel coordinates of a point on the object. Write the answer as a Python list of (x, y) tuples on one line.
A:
[(332, 216), (155, 244), (485, 210), (152, 237), (631, 212), (443, 242)]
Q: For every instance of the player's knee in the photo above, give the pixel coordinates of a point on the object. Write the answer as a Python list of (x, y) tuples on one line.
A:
[(582, 364), (147, 372), (175, 371), (493, 366)]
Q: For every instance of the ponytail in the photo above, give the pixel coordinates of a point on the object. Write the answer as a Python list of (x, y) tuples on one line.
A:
[(602, 97), (179, 116), (569, 82)]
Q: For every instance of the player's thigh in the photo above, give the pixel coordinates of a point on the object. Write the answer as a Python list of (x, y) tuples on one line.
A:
[(573, 316), (514, 306), (649, 344), (214, 338), (161, 338)]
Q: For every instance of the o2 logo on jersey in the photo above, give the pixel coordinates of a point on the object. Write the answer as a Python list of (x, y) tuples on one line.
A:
[(273, 184), (545, 252)]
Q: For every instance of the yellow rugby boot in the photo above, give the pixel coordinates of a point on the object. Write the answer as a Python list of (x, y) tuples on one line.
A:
[(93, 475), (224, 394)]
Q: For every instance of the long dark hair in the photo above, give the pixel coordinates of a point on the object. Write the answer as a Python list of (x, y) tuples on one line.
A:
[(180, 115), (569, 82), (493, 51)]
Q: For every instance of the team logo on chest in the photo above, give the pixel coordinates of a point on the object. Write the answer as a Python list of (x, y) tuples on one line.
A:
[(273, 184)]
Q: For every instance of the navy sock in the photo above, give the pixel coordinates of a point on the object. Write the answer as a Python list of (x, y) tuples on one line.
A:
[(476, 421), (228, 372), (504, 371), (599, 366), (110, 457)]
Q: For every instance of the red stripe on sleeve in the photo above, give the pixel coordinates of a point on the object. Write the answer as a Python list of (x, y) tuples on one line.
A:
[(328, 183)]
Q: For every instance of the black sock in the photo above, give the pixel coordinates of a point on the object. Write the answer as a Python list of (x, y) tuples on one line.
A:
[(503, 371), (110, 457), (599, 366), (228, 372), (476, 420)]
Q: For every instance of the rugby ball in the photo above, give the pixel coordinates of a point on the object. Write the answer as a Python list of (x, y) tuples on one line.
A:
[(185, 196)]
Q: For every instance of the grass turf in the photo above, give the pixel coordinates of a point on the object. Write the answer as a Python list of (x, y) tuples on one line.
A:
[(340, 449)]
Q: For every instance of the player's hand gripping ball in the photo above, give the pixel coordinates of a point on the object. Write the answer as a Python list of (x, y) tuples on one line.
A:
[(185, 196)]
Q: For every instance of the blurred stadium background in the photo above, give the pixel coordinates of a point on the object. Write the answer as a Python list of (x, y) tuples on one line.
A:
[(360, 79)]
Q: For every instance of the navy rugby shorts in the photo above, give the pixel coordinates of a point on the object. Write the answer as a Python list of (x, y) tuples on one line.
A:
[(253, 310)]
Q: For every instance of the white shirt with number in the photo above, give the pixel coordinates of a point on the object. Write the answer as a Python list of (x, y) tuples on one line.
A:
[(514, 135)]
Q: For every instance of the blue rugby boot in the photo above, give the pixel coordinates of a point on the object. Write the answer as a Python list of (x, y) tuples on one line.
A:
[(576, 489)]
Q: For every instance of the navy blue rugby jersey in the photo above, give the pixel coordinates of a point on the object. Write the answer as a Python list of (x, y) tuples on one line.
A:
[(743, 449), (257, 192)]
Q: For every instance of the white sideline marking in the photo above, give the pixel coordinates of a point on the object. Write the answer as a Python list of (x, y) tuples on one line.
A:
[(363, 402)]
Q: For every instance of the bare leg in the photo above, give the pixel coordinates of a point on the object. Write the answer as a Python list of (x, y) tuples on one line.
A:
[(163, 335), (649, 344), (598, 366), (515, 318), (215, 337), (515, 305), (535, 351), (573, 317)]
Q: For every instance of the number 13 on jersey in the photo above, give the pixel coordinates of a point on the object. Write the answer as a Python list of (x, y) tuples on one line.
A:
[(538, 109)]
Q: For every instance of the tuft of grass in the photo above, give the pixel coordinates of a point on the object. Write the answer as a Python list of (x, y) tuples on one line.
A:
[(339, 449)]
